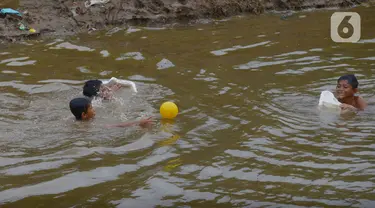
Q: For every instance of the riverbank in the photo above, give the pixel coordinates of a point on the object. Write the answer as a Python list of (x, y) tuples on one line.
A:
[(69, 17)]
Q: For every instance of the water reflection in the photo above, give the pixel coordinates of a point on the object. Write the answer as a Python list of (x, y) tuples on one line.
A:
[(225, 51)]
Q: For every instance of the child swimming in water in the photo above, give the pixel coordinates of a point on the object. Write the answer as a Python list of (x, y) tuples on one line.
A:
[(82, 109), (95, 88), (346, 88)]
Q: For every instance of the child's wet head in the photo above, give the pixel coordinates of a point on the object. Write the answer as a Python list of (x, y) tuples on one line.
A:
[(92, 88), (82, 108), (346, 86)]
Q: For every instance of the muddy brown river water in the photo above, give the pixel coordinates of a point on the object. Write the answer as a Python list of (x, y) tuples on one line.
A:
[(249, 133)]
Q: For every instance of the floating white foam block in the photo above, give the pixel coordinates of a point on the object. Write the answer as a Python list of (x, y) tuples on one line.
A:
[(93, 2), (123, 82), (327, 99)]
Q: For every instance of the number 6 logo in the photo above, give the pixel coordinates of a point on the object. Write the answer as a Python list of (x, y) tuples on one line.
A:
[(345, 27)]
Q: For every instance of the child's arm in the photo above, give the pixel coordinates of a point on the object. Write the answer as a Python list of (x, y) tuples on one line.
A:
[(345, 108), (361, 105), (116, 87), (142, 123), (125, 124), (107, 92)]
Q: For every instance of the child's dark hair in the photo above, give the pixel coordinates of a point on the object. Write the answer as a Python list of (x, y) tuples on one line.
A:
[(91, 88), (352, 80), (79, 106)]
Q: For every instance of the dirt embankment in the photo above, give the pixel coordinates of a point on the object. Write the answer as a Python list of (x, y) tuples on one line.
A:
[(67, 17)]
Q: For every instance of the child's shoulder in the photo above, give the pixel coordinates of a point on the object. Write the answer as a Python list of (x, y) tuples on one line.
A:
[(361, 103), (359, 98)]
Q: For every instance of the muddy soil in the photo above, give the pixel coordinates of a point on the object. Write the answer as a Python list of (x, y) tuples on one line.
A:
[(68, 17)]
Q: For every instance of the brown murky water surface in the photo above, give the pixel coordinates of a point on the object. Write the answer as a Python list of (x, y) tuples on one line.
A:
[(9, 3), (249, 133)]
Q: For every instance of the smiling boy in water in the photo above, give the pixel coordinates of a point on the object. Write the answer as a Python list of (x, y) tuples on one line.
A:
[(82, 109), (346, 88)]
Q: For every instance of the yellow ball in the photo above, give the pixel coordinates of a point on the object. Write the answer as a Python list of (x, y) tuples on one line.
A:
[(168, 110)]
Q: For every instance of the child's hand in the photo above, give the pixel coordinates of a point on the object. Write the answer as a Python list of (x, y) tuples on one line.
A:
[(144, 123), (347, 107), (116, 87), (106, 93)]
